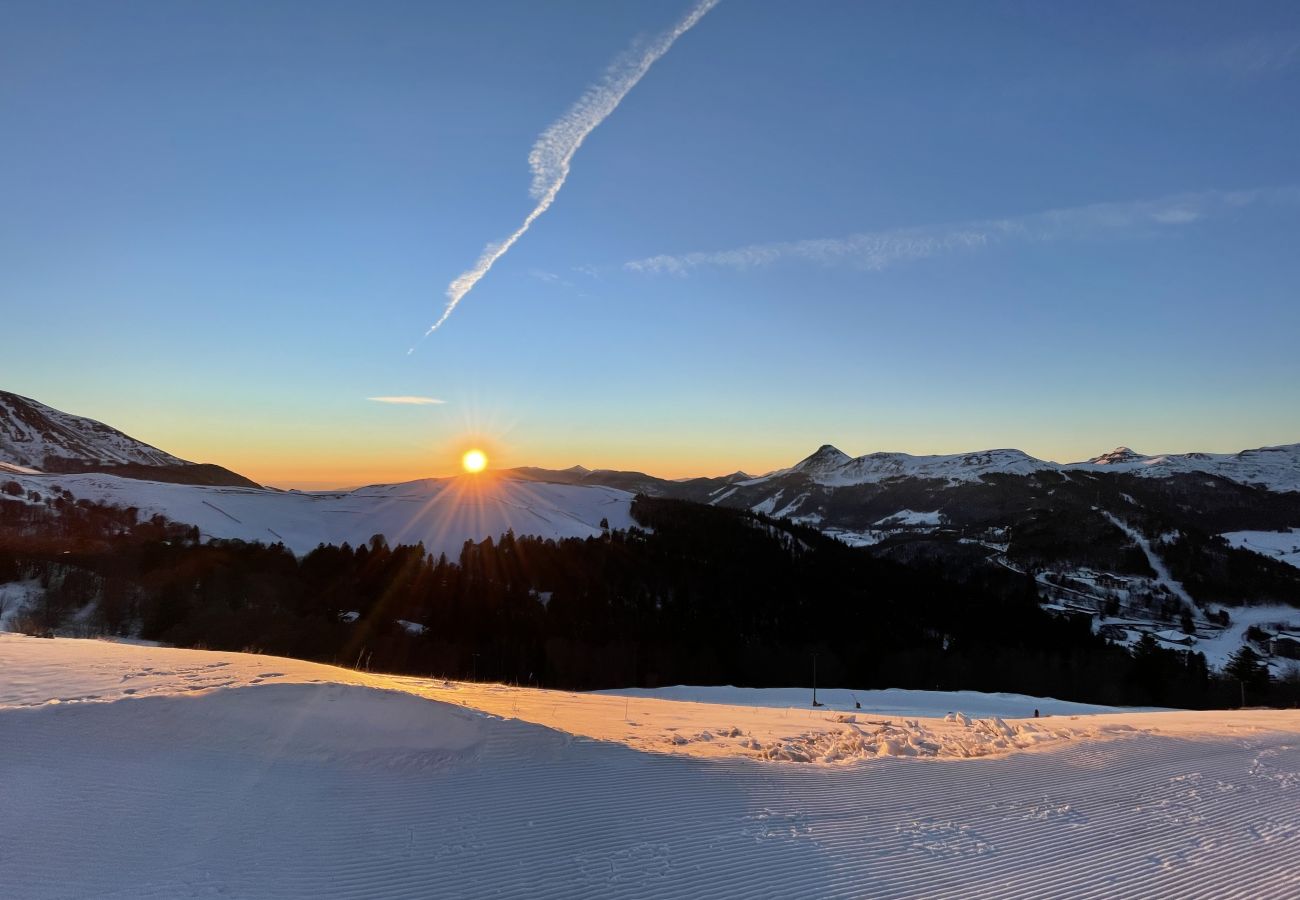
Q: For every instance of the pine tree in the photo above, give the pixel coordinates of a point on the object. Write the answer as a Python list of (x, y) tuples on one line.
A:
[(1247, 668)]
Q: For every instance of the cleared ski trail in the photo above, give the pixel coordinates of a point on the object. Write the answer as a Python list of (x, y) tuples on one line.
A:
[(294, 780), (1157, 564)]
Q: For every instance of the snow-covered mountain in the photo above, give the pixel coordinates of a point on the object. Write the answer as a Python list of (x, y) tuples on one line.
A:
[(1274, 468), (864, 499), (36, 437), (33, 434), (831, 466), (442, 513)]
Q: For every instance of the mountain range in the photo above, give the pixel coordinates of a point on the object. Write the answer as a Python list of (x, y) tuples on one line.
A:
[(40, 439), (863, 500), (1151, 544)]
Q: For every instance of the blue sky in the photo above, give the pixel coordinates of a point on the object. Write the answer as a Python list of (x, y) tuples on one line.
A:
[(222, 227)]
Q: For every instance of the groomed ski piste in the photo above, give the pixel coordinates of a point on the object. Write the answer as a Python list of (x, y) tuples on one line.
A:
[(132, 771)]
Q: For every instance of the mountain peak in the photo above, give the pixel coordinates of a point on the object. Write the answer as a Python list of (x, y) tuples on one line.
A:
[(1118, 455), (824, 459)]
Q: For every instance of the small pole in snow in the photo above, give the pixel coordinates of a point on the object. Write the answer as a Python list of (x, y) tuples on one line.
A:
[(815, 703), (1243, 694)]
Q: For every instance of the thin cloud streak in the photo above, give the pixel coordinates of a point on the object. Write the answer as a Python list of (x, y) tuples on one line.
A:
[(553, 152), (876, 250), (1261, 54), (408, 401)]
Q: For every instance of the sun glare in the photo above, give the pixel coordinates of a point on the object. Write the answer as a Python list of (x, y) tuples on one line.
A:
[(474, 461)]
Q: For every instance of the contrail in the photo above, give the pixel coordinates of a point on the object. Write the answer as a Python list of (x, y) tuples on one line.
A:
[(553, 152)]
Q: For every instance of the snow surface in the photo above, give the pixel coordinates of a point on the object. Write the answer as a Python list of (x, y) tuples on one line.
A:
[(443, 513), (1283, 546), (138, 772)]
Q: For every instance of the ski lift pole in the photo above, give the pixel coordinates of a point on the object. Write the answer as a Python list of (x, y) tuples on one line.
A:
[(814, 656)]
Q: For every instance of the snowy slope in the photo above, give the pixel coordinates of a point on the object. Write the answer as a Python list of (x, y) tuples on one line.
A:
[(31, 432), (1283, 546), (443, 513), (132, 772)]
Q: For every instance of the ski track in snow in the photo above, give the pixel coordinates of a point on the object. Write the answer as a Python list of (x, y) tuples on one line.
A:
[(1157, 564), (306, 781)]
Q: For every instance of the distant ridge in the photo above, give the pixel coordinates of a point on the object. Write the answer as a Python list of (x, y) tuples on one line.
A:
[(37, 437)]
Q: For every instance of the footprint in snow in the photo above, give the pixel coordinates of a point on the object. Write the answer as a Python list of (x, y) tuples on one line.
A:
[(767, 825), (634, 865), (941, 838)]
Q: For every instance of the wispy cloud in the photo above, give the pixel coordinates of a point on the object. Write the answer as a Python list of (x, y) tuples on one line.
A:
[(553, 153), (550, 278), (1261, 54), (408, 401), (875, 250)]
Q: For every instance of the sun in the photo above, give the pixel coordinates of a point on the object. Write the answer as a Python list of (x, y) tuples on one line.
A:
[(474, 461)]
